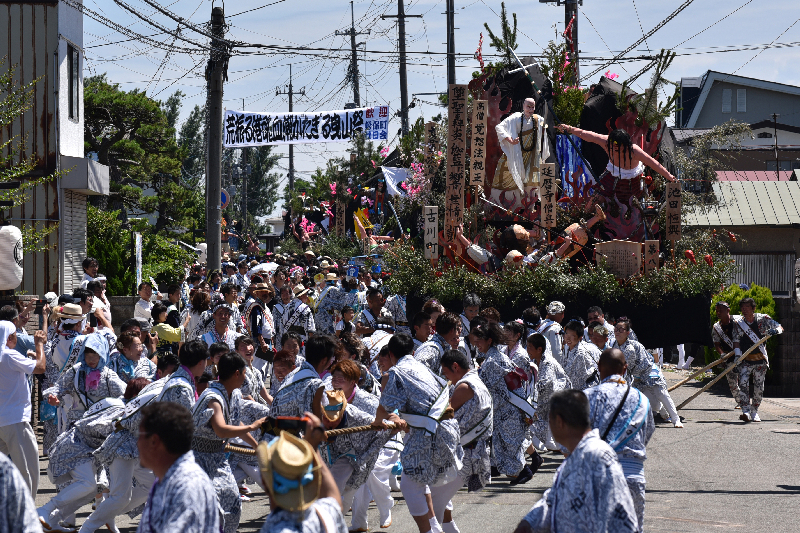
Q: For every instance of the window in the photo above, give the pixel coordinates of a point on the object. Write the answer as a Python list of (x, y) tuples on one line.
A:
[(73, 74), (784, 165), (727, 94), (741, 100), (764, 135)]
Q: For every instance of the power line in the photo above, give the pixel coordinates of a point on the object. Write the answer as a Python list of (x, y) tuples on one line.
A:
[(256, 8), (717, 22), (640, 41)]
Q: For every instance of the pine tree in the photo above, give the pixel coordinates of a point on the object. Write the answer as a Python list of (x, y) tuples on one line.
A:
[(508, 41)]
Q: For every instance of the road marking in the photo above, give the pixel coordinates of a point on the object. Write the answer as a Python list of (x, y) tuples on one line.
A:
[(700, 522)]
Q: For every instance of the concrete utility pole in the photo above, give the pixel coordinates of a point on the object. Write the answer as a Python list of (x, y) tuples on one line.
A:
[(245, 178), (450, 12), (401, 34), (354, 61), (777, 162), (216, 73), (570, 10), (290, 91)]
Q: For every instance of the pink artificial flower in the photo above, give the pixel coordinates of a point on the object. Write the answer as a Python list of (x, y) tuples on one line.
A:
[(93, 380), (373, 163), (384, 151), (610, 75), (403, 186), (333, 188), (349, 191)]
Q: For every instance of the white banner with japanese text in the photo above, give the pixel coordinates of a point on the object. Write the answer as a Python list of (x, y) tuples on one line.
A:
[(259, 129)]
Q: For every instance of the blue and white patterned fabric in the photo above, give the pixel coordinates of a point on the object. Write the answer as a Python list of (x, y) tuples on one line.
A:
[(589, 493), (431, 352), (17, 510), (297, 392), (324, 516), (215, 463), (128, 370), (396, 305), (510, 431), (360, 449), (550, 379), (580, 366), (366, 401), (570, 161), (427, 459), (640, 365), (476, 470), (182, 502)]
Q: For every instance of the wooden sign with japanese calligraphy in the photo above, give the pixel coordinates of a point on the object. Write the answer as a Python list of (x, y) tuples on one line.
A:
[(456, 155), (623, 258), (340, 214), (429, 151), (673, 211), (477, 170), (547, 193), (431, 215), (650, 256)]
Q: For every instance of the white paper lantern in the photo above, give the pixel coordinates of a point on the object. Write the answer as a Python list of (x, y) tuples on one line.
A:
[(11, 252), (203, 252)]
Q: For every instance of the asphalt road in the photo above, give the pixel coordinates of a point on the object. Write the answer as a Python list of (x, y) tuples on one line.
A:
[(716, 474)]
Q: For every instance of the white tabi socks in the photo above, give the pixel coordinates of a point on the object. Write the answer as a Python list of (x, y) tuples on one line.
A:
[(450, 527)]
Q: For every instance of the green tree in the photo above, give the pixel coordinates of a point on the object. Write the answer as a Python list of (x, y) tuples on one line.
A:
[(111, 243), (190, 139), (14, 164), (131, 133), (507, 40)]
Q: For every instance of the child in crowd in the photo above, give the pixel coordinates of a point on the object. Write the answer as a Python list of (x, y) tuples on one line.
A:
[(215, 352), (281, 367), (346, 325)]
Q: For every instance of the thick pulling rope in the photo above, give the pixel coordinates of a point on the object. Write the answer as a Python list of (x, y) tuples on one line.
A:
[(702, 370), (330, 433), (719, 377)]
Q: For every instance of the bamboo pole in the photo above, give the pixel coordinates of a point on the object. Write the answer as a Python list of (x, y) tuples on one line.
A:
[(719, 377), (713, 364)]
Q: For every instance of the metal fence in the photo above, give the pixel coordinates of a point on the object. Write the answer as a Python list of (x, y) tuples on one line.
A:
[(774, 271)]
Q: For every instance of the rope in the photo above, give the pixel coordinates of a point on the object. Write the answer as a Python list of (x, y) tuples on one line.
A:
[(330, 433)]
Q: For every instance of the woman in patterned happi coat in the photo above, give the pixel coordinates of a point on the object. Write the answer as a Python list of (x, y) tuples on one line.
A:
[(213, 416)]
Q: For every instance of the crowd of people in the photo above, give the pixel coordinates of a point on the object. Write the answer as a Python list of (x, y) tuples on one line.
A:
[(313, 383)]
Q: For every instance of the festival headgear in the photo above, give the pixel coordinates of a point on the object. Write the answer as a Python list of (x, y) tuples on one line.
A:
[(299, 290), (310, 253), (555, 307), (334, 403), (324, 264), (259, 287), (6, 330), (319, 278), (52, 299), (723, 303), (69, 313), (218, 304), (331, 276), (376, 269), (290, 472)]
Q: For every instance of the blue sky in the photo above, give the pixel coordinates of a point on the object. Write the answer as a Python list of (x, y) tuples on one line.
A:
[(615, 25)]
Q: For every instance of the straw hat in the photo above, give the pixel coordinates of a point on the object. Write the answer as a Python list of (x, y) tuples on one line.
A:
[(334, 403), (310, 253), (69, 312), (332, 276), (290, 472), (300, 290), (260, 287), (324, 264)]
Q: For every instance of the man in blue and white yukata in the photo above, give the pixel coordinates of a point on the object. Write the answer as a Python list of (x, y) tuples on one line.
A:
[(624, 419), (301, 386), (432, 454), (589, 491)]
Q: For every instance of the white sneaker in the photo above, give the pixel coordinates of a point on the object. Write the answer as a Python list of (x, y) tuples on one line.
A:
[(755, 417), (744, 417)]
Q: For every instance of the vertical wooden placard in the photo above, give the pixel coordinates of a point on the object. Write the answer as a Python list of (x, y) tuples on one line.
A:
[(547, 194), (456, 154), (431, 216), (477, 171), (674, 211), (623, 258), (341, 207), (650, 256)]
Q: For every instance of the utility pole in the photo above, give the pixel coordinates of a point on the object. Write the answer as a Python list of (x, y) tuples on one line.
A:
[(290, 91), (245, 178), (354, 61), (401, 34), (570, 11), (777, 162), (216, 73), (450, 12)]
